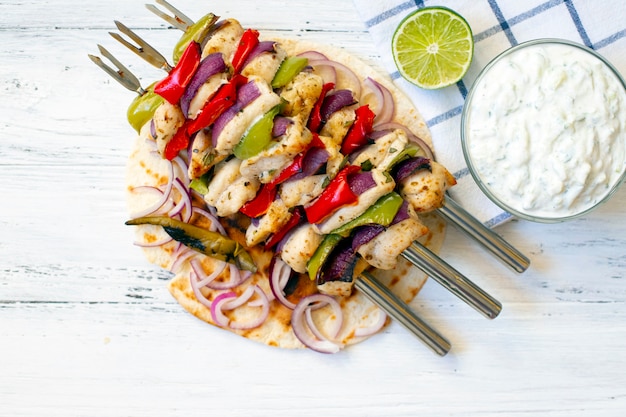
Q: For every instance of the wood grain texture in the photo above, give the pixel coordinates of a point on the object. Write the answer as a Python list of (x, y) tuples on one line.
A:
[(87, 327)]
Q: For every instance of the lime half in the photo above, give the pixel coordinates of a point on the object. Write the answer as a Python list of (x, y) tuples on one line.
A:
[(433, 47)]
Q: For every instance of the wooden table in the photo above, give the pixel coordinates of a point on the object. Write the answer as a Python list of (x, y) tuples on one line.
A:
[(87, 327)]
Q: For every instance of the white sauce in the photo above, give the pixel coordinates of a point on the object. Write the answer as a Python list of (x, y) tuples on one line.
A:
[(546, 130)]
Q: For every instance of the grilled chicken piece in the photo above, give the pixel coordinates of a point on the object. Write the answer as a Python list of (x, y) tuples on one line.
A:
[(236, 127), (383, 151), (300, 247), (277, 215), (338, 124), (425, 190), (265, 65), (384, 185), (269, 163), (335, 157), (302, 191), (300, 94), (203, 155), (205, 92), (225, 39), (382, 251), (229, 190), (167, 119)]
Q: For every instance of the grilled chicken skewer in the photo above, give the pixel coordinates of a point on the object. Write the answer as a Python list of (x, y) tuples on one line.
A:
[(417, 254), (489, 308)]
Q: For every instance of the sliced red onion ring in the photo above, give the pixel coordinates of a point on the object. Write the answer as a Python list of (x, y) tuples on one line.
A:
[(212, 64), (402, 214), (164, 197), (235, 279), (262, 47), (328, 73), (364, 234), (313, 161), (281, 124), (408, 167), (335, 101), (340, 264), (182, 253), (184, 206), (385, 104), (302, 329), (215, 224), (196, 287), (280, 273), (374, 328), (204, 279), (246, 94), (216, 308), (428, 152), (353, 80), (361, 182), (230, 301)]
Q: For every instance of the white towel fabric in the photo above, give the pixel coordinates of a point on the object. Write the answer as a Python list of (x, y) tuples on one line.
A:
[(496, 25)]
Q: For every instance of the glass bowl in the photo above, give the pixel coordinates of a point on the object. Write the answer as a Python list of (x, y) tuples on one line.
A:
[(543, 130)]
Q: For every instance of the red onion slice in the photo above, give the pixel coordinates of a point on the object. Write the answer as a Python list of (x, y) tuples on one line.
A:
[(212, 64), (351, 77), (164, 197), (361, 182), (235, 279), (196, 287), (204, 279), (215, 224), (408, 167), (364, 234), (230, 301), (280, 273), (328, 73), (302, 329), (385, 104), (246, 94), (262, 47), (281, 124), (402, 214), (335, 101)]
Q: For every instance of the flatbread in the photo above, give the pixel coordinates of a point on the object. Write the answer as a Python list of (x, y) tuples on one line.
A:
[(147, 168)]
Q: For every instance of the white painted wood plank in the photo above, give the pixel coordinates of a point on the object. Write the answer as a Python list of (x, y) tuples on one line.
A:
[(87, 327)]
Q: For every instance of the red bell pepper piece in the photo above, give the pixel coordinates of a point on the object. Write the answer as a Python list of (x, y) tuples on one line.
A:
[(315, 119), (336, 195), (357, 135), (259, 205), (179, 142), (173, 86), (249, 40), (225, 97), (296, 165), (294, 220)]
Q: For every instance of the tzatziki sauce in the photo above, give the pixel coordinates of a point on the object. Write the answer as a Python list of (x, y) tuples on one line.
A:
[(545, 130)]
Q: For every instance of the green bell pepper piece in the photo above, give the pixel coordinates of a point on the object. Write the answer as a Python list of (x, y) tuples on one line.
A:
[(258, 136), (289, 68), (321, 254), (409, 151), (142, 108), (201, 240), (195, 32), (381, 212)]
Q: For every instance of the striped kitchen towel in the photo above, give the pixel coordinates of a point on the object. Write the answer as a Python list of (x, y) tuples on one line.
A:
[(496, 25)]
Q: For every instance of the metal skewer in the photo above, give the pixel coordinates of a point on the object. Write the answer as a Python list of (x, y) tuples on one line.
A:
[(485, 236), (451, 279), (399, 311)]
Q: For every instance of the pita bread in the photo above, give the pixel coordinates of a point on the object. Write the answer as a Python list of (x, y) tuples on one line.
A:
[(147, 168)]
